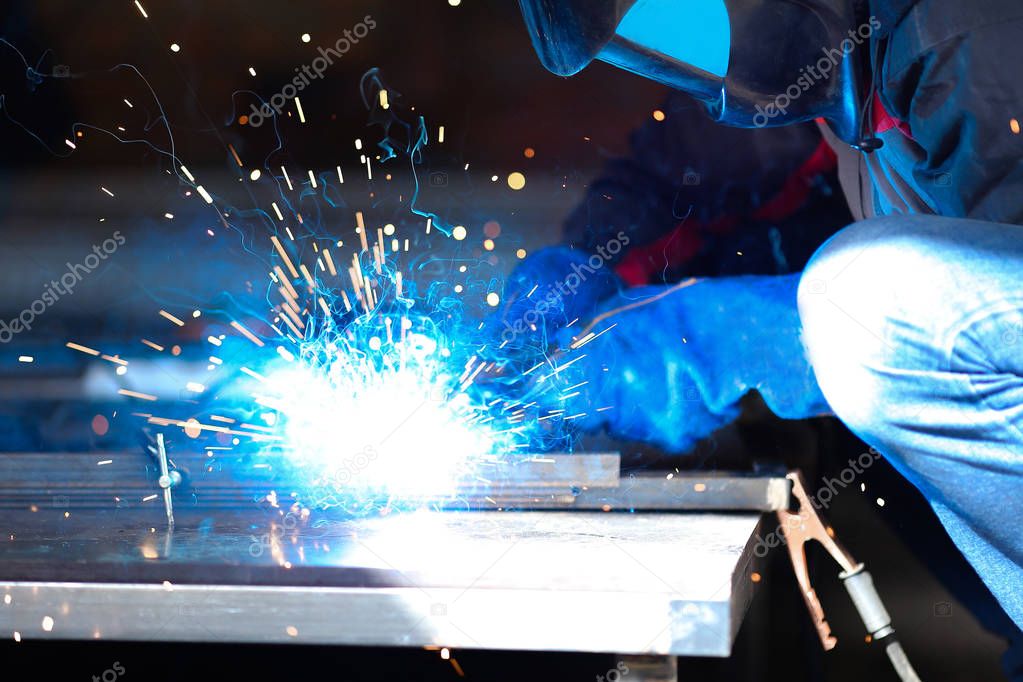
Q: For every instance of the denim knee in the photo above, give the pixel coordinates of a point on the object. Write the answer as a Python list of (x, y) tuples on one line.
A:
[(852, 314)]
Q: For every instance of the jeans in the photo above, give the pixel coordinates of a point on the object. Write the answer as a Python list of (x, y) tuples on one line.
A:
[(914, 327)]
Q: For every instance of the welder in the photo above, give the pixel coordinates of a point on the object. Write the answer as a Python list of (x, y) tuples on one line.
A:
[(907, 324)]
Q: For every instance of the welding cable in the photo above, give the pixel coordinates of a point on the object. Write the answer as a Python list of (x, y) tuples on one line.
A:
[(632, 306), (860, 586), (557, 355)]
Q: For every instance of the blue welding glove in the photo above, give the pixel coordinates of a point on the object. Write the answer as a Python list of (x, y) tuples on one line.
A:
[(673, 362), (546, 291)]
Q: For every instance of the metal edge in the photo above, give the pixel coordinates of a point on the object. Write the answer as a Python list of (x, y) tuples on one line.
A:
[(525, 620)]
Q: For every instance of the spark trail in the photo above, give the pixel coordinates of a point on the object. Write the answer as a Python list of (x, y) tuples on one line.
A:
[(357, 385)]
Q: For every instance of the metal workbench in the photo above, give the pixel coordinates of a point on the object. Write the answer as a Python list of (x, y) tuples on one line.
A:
[(565, 577), (554, 581)]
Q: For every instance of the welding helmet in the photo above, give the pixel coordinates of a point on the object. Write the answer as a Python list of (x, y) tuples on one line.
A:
[(754, 63)]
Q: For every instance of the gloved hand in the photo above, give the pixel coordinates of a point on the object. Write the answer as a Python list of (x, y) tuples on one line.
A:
[(670, 366), (546, 291)]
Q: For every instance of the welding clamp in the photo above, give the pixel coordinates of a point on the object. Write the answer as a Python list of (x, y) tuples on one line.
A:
[(803, 524)]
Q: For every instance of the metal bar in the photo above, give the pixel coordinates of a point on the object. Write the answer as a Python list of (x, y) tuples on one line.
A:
[(691, 491), (589, 482), (120, 471)]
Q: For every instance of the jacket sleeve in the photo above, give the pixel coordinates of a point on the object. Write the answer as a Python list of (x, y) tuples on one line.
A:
[(949, 74)]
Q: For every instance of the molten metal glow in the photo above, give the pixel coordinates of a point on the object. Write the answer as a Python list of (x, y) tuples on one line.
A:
[(386, 422)]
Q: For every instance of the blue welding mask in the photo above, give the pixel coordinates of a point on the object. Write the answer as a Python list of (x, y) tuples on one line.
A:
[(754, 63)]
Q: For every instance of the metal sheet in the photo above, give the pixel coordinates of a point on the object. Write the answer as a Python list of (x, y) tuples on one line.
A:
[(610, 582)]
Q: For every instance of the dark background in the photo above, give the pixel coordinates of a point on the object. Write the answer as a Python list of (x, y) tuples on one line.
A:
[(471, 69), (468, 68)]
